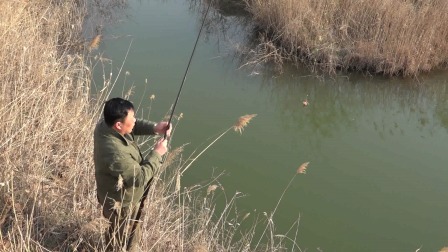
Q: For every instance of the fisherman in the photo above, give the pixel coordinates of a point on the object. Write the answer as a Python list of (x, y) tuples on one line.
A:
[(121, 171)]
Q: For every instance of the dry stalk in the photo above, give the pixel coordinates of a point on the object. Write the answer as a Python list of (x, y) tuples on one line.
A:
[(238, 127), (301, 170)]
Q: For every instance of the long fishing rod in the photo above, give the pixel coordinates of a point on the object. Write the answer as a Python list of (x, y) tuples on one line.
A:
[(145, 194)]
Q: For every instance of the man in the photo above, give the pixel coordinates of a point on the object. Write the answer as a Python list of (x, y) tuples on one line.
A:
[(121, 171)]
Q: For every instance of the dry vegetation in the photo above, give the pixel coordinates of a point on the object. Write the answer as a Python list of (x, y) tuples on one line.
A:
[(47, 190), (390, 37)]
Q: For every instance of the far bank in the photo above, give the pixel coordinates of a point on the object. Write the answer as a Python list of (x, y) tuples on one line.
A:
[(383, 37)]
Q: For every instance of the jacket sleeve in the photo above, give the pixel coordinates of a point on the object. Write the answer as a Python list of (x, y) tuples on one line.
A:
[(133, 173), (153, 161), (143, 127)]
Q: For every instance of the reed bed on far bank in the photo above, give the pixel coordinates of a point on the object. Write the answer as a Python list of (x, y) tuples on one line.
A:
[(390, 37), (47, 189)]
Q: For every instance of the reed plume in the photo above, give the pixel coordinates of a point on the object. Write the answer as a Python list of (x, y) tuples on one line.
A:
[(211, 189), (173, 155), (117, 205), (95, 42), (302, 168), (242, 122), (119, 184)]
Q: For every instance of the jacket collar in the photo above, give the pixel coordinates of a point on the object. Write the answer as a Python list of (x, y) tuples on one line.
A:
[(110, 131)]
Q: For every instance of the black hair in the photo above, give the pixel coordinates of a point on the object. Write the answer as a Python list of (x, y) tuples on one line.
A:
[(116, 109)]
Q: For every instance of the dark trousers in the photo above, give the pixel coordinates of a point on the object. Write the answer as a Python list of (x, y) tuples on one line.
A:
[(119, 231)]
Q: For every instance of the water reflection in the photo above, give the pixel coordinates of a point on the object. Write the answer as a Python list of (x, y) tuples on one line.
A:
[(103, 13), (231, 7), (227, 8), (338, 104), (227, 20)]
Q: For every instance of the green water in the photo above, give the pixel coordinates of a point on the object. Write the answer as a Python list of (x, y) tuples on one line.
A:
[(377, 147)]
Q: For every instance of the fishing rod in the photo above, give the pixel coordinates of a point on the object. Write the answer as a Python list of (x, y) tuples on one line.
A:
[(145, 194)]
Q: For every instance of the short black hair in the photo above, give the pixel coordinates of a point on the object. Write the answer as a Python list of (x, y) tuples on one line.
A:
[(116, 109)]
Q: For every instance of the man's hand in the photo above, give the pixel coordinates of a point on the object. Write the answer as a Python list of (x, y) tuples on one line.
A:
[(163, 128), (161, 146)]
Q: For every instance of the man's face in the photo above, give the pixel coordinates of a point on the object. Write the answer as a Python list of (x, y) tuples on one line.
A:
[(128, 123)]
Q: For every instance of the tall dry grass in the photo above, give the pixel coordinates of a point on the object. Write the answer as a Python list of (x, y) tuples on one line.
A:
[(45, 141), (47, 189), (390, 37)]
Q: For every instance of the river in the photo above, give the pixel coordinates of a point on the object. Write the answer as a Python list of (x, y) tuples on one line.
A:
[(377, 147)]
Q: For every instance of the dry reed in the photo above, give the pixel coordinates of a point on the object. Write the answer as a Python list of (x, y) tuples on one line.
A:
[(270, 217), (302, 168), (95, 42), (390, 37), (242, 122), (44, 145)]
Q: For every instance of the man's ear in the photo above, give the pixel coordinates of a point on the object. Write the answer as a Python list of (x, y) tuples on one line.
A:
[(118, 125)]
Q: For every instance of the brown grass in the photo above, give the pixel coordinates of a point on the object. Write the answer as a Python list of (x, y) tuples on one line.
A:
[(46, 124), (47, 189), (390, 37)]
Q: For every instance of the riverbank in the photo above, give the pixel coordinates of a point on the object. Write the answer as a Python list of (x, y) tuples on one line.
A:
[(47, 189), (380, 37)]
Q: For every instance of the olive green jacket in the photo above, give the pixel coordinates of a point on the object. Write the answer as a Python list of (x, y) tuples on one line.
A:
[(116, 155)]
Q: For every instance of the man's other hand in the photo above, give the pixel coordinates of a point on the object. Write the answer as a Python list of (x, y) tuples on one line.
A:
[(161, 146), (163, 128)]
